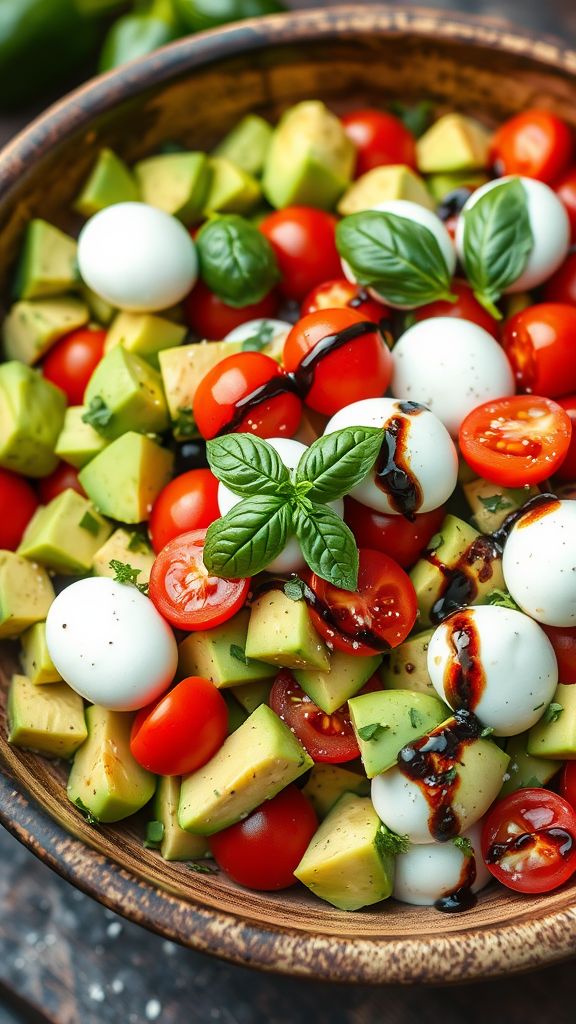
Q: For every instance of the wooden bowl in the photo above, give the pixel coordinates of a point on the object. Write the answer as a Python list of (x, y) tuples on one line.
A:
[(194, 91)]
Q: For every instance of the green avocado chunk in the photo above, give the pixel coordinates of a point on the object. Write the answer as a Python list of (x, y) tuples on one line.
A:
[(328, 782), (31, 418), (48, 262), (129, 547), (406, 666), (395, 181), (439, 185), (176, 844), (346, 674), (247, 144), (523, 769), (65, 535), (125, 479), (48, 719), (34, 325), (144, 334), (236, 713), (280, 632), (177, 183), (251, 695), (182, 369), (231, 190), (219, 654), (100, 310), (130, 391), (37, 664), (78, 442), (453, 143), (554, 736), (26, 594), (109, 182), (385, 721), (490, 504)]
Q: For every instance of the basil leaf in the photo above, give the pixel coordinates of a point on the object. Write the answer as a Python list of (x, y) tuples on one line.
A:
[(464, 844), (497, 242), (295, 589), (327, 544), (399, 258), (236, 261), (337, 462), (260, 339), (246, 464), (248, 537), (415, 118)]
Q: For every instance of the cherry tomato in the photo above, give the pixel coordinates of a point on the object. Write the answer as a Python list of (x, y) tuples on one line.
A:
[(220, 394), (380, 139), (211, 318), (568, 783), (361, 368), (566, 471), (516, 441), (539, 342), (304, 242), (563, 640), (189, 502), (342, 294), (394, 535), (71, 362), (535, 143), (565, 189), (182, 730), (263, 851), (18, 503), (183, 591), (466, 308), (561, 287), (63, 478), (529, 840), (377, 616)]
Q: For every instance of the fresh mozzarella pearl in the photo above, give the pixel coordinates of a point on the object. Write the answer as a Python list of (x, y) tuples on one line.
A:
[(550, 231), (429, 871), (110, 644), (451, 366), (280, 329), (137, 257), (428, 450), (539, 563), (502, 653)]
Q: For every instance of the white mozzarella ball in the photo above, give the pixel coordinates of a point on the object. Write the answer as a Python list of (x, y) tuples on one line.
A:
[(539, 563), (137, 257), (428, 871), (110, 644), (501, 657), (550, 231), (276, 330), (451, 366), (428, 451)]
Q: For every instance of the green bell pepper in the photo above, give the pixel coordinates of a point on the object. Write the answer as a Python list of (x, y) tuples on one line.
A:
[(139, 33), (198, 15)]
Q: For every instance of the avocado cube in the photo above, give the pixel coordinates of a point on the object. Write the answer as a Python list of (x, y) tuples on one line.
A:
[(219, 654), (48, 262), (78, 442), (65, 535), (37, 664), (31, 418), (26, 594), (328, 782), (386, 720), (34, 325), (247, 144), (556, 738), (280, 632), (47, 719), (406, 666), (258, 760), (144, 334), (395, 181), (128, 547), (176, 844), (523, 769), (491, 504), (125, 479), (100, 310), (182, 369), (251, 695), (347, 863), (440, 185), (109, 182), (131, 390), (177, 183), (231, 189), (236, 713), (453, 143), (346, 675)]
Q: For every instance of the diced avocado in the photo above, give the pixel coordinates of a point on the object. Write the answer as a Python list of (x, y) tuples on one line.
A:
[(47, 264), (26, 594), (34, 325), (219, 654), (144, 334), (48, 719), (395, 181), (310, 160), (280, 632), (110, 182), (346, 674), (105, 780), (31, 418), (453, 143), (131, 391), (385, 721), (491, 504), (182, 369), (523, 769), (347, 863), (231, 189), (177, 183), (37, 664), (440, 185), (554, 736), (236, 713), (251, 695), (328, 782), (65, 535), (247, 144), (131, 548), (176, 843), (406, 666), (254, 764), (125, 479), (78, 441), (100, 310)]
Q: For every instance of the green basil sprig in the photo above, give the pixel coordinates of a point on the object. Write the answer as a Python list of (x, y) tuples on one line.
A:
[(236, 261)]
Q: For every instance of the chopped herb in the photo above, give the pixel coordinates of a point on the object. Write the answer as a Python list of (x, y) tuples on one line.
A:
[(435, 542), (373, 731), (90, 523), (553, 712), (239, 653), (216, 792), (495, 502), (487, 731), (531, 783), (450, 776), (202, 869), (538, 706), (139, 544), (415, 116), (294, 589), (154, 835), (415, 718), (97, 414), (185, 425), (260, 339), (86, 812), (391, 842), (502, 600), (464, 845), (125, 573)]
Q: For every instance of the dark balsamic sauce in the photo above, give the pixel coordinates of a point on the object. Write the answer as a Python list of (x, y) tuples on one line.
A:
[(460, 583), (464, 679), (461, 898), (535, 508), (559, 838), (393, 474), (453, 202)]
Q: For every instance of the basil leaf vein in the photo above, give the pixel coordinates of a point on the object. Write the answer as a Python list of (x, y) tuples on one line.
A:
[(328, 545), (248, 537), (246, 464), (337, 462), (236, 261)]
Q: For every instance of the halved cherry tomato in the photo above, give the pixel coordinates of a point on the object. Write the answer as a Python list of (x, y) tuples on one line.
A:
[(182, 730), (63, 478), (467, 307), (380, 138), (211, 318), (566, 471), (224, 391), (529, 840), (71, 362), (561, 287), (540, 344), (263, 851), (516, 441), (304, 242), (377, 616), (361, 368), (565, 189), (18, 503), (189, 502), (563, 640), (535, 143), (183, 591), (568, 783), (394, 535), (342, 294)]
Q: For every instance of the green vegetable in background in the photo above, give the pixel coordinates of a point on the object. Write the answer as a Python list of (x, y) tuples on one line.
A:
[(139, 32), (198, 15)]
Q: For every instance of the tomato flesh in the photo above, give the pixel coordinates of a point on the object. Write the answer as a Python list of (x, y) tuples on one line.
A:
[(213, 319), (539, 343), (304, 242), (379, 138), (535, 143), (396, 536), (18, 503), (189, 502), (342, 294)]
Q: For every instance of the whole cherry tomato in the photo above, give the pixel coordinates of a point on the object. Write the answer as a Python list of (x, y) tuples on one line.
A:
[(535, 143), (63, 478), (540, 344), (72, 360), (467, 307), (561, 287), (212, 319), (395, 535), (563, 640), (189, 502), (342, 294), (18, 503), (380, 138), (565, 189), (304, 242), (566, 471)]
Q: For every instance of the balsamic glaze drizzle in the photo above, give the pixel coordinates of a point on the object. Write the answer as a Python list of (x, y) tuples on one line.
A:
[(558, 837), (464, 679), (461, 898)]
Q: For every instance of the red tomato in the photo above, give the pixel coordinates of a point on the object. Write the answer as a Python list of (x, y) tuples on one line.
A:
[(263, 851), (534, 143), (342, 294), (180, 732), (394, 535), (540, 344), (565, 189), (71, 362), (18, 503), (466, 308), (563, 640), (361, 368), (304, 242), (183, 591), (211, 318), (377, 616), (561, 287), (224, 390), (568, 783), (63, 478), (529, 840), (566, 472), (516, 441), (190, 502), (379, 138)]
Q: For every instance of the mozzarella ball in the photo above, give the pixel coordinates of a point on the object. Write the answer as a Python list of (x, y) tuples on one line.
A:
[(137, 257), (428, 451), (550, 231), (110, 644), (499, 656), (451, 366), (539, 563), (277, 330), (429, 871)]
